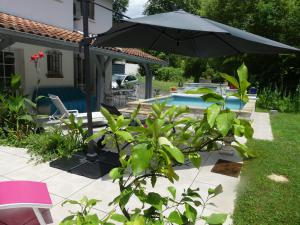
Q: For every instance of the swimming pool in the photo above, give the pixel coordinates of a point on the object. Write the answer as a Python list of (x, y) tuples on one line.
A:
[(197, 101)]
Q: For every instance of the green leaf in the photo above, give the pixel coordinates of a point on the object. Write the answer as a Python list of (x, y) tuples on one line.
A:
[(92, 219), (115, 173), (72, 202), (204, 91), (230, 79), (26, 117), (15, 81), (99, 134), (216, 219), (175, 217), (225, 122), (212, 113), (68, 220), (124, 197), (31, 103), (242, 72), (244, 151), (238, 130), (119, 218), (155, 200), (91, 203), (176, 154), (195, 159), (153, 180), (172, 191), (126, 136), (248, 128), (138, 220), (140, 158), (110, 120), (190, 212), (213, 97), (165, 141), (216, 191)]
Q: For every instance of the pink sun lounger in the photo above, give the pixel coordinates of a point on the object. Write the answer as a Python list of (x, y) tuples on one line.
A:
[(24, 203)]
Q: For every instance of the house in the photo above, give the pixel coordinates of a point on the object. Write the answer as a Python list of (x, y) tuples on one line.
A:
[(55, 27)]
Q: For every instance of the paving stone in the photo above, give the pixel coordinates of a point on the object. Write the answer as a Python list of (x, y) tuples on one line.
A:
[(37, 172), (65, 184), (10, 163), (262, 126)]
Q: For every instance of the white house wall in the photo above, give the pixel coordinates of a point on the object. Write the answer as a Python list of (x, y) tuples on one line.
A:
[(29, 71), (131, 69), (102, 21), (54, 12)]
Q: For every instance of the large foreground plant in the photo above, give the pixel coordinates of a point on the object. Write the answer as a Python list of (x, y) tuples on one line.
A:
[(149, 153)]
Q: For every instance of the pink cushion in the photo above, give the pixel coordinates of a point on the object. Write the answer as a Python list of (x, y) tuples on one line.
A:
[(17, 200), (14, 192)]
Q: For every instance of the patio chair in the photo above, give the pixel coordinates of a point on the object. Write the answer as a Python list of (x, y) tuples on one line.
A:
[(24, 202), (63, 112)]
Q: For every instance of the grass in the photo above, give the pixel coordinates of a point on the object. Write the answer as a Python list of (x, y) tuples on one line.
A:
[(164, 86), (261, 201)]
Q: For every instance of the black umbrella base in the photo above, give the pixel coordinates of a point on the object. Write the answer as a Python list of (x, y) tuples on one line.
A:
[(78, 164)]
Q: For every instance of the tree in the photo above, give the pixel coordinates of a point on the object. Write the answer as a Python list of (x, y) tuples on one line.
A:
[(119, 7), (160, 6), (275, 19)]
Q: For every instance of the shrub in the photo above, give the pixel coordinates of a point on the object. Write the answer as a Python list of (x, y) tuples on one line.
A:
[(52, 145), (269, 98), (15, 119), (169, 74)]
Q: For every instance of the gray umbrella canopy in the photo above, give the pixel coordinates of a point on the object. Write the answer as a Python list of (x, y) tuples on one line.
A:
[(182, 33)]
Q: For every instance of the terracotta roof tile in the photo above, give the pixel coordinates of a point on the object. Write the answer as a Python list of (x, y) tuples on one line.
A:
[(32, 27)]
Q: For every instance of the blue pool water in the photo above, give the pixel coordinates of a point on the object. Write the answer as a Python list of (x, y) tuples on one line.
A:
[(231, 103)]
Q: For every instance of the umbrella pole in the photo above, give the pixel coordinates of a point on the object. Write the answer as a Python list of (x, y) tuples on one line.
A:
[(91, 155)]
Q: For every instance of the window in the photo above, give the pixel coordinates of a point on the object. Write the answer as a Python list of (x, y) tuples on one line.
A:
[(7, 68), (54, 64), (77, 9), (130, 78), (78, 71)]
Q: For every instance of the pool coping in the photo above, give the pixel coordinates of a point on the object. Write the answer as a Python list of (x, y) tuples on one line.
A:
[(246, 112)]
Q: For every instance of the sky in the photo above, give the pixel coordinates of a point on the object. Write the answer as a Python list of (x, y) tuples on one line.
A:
[(135, 8)]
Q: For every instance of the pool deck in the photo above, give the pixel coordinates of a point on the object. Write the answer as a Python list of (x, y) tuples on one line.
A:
[(245, 113)]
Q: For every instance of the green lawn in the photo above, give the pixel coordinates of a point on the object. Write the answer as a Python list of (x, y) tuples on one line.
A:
[(164, 86), (261, 201)]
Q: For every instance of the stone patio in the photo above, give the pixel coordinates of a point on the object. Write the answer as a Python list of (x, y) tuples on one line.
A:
[(15, 164)]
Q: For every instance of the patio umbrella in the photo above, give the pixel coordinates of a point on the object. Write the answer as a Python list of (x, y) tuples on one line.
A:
[(183, 33)]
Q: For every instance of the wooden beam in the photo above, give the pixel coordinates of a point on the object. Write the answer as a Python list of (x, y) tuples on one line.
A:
[(5, 42), (148, 85), (100, 80)]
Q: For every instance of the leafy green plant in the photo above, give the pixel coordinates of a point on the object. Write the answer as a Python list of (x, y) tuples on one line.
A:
[(278, 99), (169, 74), (84, 216), (51, 145), (241, 84), (76, 130), (149, 152), (15, 119)]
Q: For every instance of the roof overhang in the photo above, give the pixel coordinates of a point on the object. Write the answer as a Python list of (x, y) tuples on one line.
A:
[(28, 38)]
